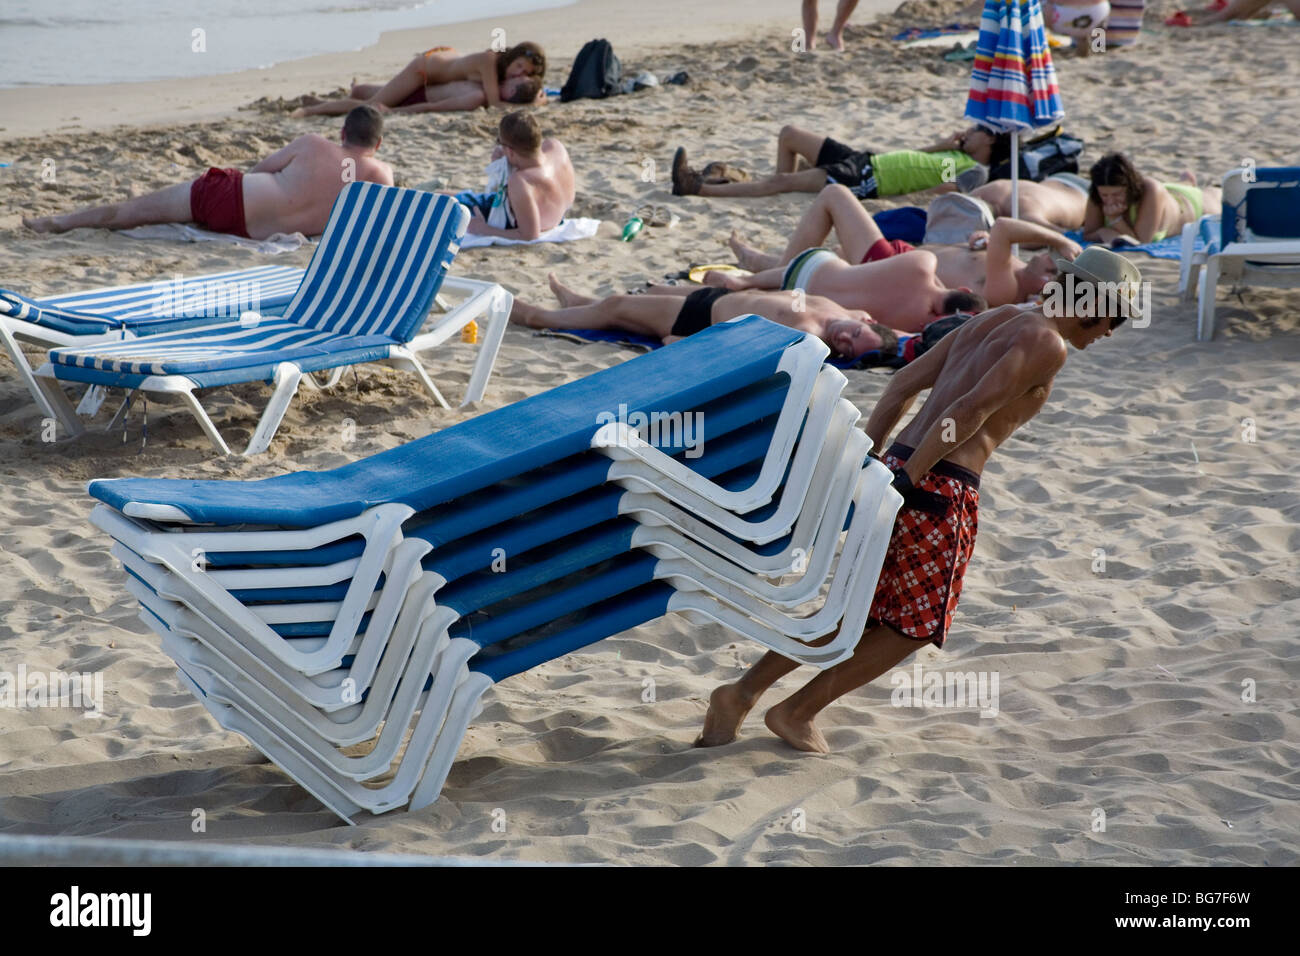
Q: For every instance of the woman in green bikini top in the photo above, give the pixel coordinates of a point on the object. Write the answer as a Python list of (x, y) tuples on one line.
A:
[(1126, 207)]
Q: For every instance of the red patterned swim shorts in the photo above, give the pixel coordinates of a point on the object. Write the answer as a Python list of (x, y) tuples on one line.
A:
[(921, 579)]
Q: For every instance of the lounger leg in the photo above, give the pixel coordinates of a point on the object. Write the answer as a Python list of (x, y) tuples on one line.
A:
[(287, 377), (120, 414), (497, 319), (1209, 290), (209, 429), (404, 359), (55, 403), (48, 402), (1187, 265)]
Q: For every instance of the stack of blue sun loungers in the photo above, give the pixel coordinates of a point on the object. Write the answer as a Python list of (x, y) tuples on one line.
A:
[(376, 603)]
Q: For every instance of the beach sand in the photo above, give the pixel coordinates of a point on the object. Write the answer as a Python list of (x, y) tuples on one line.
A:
[(1121, 691)]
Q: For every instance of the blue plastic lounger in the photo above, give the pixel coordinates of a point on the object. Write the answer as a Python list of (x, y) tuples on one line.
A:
[(1256, 241), (474, 455), (145, 308), (283, 613), (371, 281)]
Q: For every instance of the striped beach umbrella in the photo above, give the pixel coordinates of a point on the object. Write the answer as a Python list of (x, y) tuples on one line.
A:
[(1013, 83)]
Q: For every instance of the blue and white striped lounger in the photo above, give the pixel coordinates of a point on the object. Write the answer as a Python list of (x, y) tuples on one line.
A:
[(364, 297)]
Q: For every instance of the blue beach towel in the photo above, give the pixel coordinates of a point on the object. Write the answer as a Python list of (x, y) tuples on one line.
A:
[(1170, 247)]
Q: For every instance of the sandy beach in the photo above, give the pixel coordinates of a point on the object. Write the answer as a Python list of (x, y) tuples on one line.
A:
[(1160, 690)]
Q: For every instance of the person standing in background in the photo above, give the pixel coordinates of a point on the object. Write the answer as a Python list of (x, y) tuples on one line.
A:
[(835, 36)]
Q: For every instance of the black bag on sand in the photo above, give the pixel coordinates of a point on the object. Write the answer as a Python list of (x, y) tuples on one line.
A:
[(1056, 152), (596, 73)]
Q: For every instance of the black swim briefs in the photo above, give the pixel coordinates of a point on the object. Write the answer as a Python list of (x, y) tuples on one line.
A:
[(847, 167), (697, 311)]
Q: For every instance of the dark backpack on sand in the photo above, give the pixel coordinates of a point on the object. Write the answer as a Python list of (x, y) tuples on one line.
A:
[(1039, 158), (596, 73)]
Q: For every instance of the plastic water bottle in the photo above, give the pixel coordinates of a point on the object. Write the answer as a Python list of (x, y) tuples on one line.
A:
[(632, 227)]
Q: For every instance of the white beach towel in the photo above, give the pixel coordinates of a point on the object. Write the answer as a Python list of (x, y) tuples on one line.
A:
[(187, 232), (567, 231)]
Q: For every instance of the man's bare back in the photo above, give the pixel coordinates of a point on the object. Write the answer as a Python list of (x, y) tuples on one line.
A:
[(1050, 203), (294, 189), (547, 187)]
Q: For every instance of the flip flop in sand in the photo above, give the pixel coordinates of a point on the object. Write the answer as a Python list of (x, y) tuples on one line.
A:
[(1180, 19), (696, 273), (653, 215)]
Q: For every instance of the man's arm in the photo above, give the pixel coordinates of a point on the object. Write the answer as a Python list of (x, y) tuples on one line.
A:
[(906, 384), (1032, 361), (382, 174), (280, 158), (1000, 285), (488, 78), (528, 219)]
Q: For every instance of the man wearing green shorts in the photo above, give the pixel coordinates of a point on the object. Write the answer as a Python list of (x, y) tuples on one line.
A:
[(808, 161)]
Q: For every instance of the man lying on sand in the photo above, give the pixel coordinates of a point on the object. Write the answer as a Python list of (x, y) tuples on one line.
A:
[(292, 190), (1059, 202), (1234, 10), (441, 80), (871, 268), (530, 183), (674, 312), (936, 168), (986, 380)]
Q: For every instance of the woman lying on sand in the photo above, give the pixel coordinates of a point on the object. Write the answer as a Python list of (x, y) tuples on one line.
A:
[(1126, 207), (441, 80)]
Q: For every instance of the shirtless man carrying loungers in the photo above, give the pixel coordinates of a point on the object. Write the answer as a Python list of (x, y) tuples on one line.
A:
[(869, 265), (292, 190), (672, 313), (986, 380)]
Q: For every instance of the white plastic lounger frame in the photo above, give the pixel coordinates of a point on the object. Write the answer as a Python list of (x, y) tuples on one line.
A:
[(802, 362)]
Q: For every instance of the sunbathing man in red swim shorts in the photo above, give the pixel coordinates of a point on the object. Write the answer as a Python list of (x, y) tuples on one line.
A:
[(986, 379), (292, 190)]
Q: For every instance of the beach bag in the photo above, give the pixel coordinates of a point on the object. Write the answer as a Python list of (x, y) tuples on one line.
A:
[(596, 73), (1046, 156)]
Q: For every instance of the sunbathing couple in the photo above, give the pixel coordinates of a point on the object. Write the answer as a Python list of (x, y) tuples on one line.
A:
[(441, 80), (531, 187)]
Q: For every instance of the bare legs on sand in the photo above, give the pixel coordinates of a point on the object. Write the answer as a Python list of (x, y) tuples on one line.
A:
[(835, 37), (880, 649), (171, 204)]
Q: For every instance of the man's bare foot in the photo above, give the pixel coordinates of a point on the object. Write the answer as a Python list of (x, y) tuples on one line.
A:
[(727, 710), (43, 224), (799, 734), (722, 280), (686, 182), (836, 41), (299, 113), (566, 296), (747, 256)]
